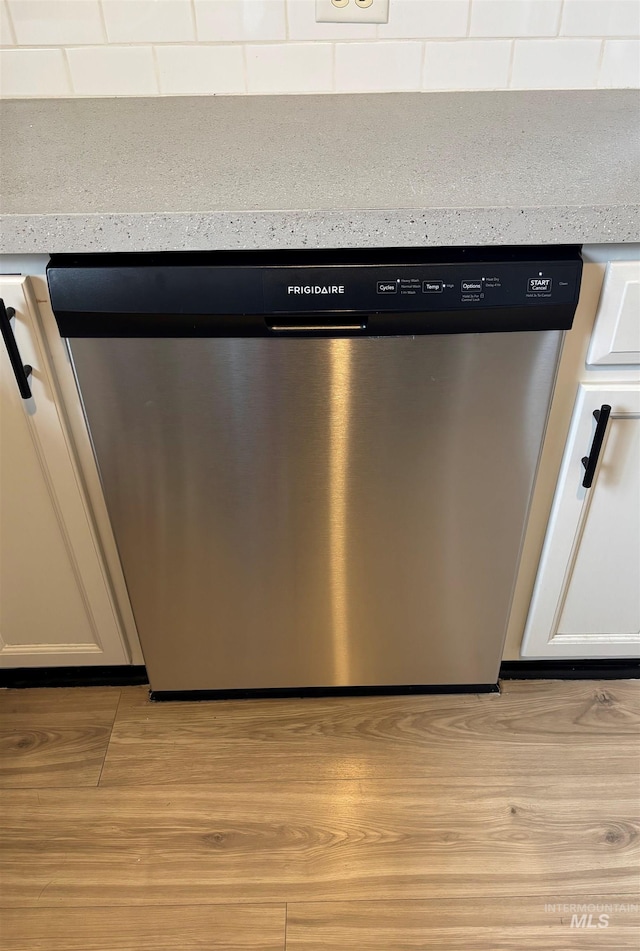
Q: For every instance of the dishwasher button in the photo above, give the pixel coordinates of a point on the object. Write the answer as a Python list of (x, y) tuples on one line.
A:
[(539, 285), (432, 287)]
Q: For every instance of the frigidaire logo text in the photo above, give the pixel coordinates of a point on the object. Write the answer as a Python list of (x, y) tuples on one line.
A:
[(315, 289)]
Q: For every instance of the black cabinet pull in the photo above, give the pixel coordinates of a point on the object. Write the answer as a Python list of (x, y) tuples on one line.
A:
[(591, 461), (22, 371)]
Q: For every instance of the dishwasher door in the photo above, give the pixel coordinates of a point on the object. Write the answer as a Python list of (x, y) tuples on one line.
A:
[(319, 512)]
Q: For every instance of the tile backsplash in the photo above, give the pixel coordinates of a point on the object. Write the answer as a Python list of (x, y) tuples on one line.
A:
[(227, 47)]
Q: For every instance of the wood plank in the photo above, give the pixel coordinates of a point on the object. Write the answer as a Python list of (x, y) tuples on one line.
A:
[(55, 737), (525, 924), (166, 928), (543, 728), (320, 841)]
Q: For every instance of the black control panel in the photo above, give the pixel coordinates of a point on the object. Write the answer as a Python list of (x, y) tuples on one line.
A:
[(417, 287), (341, 293)]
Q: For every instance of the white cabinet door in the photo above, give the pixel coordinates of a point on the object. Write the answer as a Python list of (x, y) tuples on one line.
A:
[(586, 601), (55, 604), (616, 336)]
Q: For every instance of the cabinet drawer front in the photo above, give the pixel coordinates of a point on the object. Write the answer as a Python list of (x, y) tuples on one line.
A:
[(616, 336)]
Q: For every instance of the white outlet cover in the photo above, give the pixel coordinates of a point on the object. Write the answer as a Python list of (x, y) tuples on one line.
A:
[(352, 11)]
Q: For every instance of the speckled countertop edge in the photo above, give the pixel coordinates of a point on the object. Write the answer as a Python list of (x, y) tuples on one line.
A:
[(56, 233)]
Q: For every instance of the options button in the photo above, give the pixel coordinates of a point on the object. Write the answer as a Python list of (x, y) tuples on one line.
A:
[(471, 287)]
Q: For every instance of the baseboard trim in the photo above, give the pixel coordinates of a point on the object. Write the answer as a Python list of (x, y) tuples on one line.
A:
[(617, 668), (306, 692), (624, 668), (117, 675)]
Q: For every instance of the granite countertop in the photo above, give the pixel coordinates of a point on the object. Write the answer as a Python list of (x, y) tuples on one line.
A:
[(319, 171)]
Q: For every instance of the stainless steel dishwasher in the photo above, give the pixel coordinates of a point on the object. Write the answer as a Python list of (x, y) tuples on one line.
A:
[(318, 465)]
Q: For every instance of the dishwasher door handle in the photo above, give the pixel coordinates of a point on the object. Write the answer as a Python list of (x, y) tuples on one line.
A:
[(314, 323), (21, 371), (315, 328), (591, 461)]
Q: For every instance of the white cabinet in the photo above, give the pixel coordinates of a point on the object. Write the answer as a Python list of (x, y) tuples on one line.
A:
[(616, 338), (56, 608), (586, 601), (581, 552)]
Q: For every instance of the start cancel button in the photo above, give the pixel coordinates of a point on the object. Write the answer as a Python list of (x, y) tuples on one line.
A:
[(539, 285)]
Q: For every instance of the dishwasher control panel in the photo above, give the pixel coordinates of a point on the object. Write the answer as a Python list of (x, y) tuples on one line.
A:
[(335, 293), (416, 287)]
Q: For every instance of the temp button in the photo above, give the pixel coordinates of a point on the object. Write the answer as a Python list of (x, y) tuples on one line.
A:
[(432, 287)]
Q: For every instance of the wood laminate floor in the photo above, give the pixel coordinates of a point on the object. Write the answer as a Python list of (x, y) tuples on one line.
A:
[(363, 824)]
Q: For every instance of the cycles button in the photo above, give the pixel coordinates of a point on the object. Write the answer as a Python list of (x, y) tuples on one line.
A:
[(432, 287), (387, 287)]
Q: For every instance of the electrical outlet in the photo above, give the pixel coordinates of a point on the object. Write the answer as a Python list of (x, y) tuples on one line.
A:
[(352, 11)]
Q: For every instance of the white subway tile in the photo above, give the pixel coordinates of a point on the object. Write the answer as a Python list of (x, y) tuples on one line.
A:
[(200, 70), (515, 17), (7, 37), (425, 19), (243, 20), (113, 71), (289, 67), (301, 16), (467, 64), (56, 22), (620, 66), (148, 21), (377, 67), (25, 73), (601, 18), (555, 64)]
